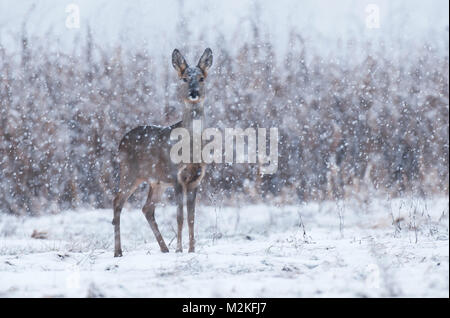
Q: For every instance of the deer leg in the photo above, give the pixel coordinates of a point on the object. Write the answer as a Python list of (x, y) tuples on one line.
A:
[(118, 205), (119, 201), (191, 195), (149, 212), (179, 199)]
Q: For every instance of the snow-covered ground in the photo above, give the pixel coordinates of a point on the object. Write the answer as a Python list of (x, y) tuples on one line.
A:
[(348, 249)]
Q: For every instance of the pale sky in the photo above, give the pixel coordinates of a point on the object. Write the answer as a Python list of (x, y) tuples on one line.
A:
[(152, 23)]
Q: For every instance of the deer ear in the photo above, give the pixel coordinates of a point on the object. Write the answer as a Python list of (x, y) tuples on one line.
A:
[(205, 61), (178, 62)]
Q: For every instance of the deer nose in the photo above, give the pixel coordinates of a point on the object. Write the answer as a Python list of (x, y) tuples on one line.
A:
[(193, 95)]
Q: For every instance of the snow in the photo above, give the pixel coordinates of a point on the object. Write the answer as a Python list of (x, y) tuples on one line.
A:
[(381, 248), (362, 114)]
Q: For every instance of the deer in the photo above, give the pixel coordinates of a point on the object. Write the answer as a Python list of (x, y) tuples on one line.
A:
[(144, 156)]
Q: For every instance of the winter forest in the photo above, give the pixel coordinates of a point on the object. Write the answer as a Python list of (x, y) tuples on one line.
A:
[(366, 118), (360, 96)]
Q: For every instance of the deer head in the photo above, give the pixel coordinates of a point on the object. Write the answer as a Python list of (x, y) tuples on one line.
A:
[(192, 79)]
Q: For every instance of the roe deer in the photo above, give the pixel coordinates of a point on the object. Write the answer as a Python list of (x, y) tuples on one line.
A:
[(144, 156)]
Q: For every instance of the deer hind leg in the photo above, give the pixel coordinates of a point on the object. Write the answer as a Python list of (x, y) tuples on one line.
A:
[(179, 200), (127, 187), (190, 198), (149, 212), (118, 205)]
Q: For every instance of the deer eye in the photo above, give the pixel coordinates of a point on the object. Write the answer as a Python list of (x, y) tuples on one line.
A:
[(201, 79), (185, 79)]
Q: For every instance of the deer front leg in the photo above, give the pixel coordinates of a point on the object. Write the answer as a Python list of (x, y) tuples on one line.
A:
[(179, 200), (191, 195)]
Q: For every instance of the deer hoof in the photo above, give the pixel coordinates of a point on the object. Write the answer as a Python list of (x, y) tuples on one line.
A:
[(179, 250), (164, 249), (118, 254), (191, 249)]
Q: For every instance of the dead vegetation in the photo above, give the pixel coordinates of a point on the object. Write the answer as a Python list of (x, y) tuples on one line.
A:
[(347, 127)]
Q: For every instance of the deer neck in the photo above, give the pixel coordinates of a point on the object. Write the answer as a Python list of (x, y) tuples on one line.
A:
[(191, 113)]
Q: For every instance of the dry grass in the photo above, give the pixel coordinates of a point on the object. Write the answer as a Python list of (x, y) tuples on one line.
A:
[(347, 127)]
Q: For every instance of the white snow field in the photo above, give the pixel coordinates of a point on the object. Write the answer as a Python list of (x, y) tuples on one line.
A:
[(385, 248)]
